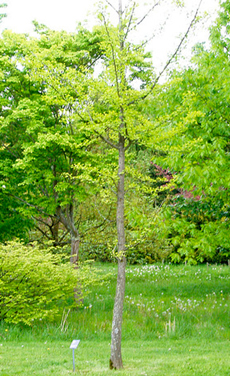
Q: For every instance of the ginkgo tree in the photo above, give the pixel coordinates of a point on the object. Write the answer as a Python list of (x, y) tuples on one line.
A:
[(120, 122), (107, 106)]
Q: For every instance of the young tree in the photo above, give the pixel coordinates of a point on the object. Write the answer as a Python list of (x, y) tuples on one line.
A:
[(111, 108), (122, 124), (107, 106)]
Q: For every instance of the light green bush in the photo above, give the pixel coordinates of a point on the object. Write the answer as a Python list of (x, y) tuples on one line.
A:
[(36, 284)]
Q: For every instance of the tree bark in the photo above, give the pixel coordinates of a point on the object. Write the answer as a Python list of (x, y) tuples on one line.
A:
[(55, 231), (116, 358), (75, 242), (67, 220)]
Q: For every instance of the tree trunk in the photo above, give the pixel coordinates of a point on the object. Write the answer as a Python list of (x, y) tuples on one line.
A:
[(55, 231), (67, 219), (116, 358), (75, 242)]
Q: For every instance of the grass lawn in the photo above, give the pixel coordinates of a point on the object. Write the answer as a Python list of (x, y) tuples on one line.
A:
[(157, 357), (176, 322)]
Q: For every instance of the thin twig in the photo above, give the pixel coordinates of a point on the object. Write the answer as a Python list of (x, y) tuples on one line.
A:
[(108, 2), (113, 55), (146, 14), (175, 52), (130, 21)]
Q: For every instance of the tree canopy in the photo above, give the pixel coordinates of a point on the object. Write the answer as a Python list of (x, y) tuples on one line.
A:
[(194, 111)]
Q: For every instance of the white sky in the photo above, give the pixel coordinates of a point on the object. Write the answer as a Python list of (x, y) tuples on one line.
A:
[(59, 14)]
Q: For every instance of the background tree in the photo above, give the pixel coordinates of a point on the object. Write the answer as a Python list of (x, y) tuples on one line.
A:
[(13, 87), (40, 146), (196, 117)]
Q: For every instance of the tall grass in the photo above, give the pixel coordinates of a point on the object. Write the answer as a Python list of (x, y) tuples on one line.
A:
[(162, 301)]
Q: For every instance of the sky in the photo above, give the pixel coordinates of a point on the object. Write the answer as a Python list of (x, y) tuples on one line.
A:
[(59, 14)]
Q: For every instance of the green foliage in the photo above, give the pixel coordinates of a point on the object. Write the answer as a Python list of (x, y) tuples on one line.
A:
[(43, 155), (13, 86), (94, 105), (97, 252), (36, 284), (196, 228), (12, 222), (147, 252), (194, 108)]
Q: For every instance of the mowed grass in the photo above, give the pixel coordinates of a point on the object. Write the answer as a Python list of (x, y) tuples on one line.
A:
[(184, 357), (176, 322)]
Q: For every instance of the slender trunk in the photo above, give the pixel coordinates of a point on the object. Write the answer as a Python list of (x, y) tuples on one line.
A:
[(75, 242), (68, 221), (55, 232), (116, 358)]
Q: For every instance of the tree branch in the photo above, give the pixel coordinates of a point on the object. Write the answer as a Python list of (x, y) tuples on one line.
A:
[(174, 54), (33, 206), (108, 2), (146, 14), (5, 146), (113, 55), (107, 141), (43, 233), (129, 144), (171, 58), (130, 21)]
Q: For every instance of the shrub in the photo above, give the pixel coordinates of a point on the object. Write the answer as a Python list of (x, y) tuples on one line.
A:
[(36, 284)]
